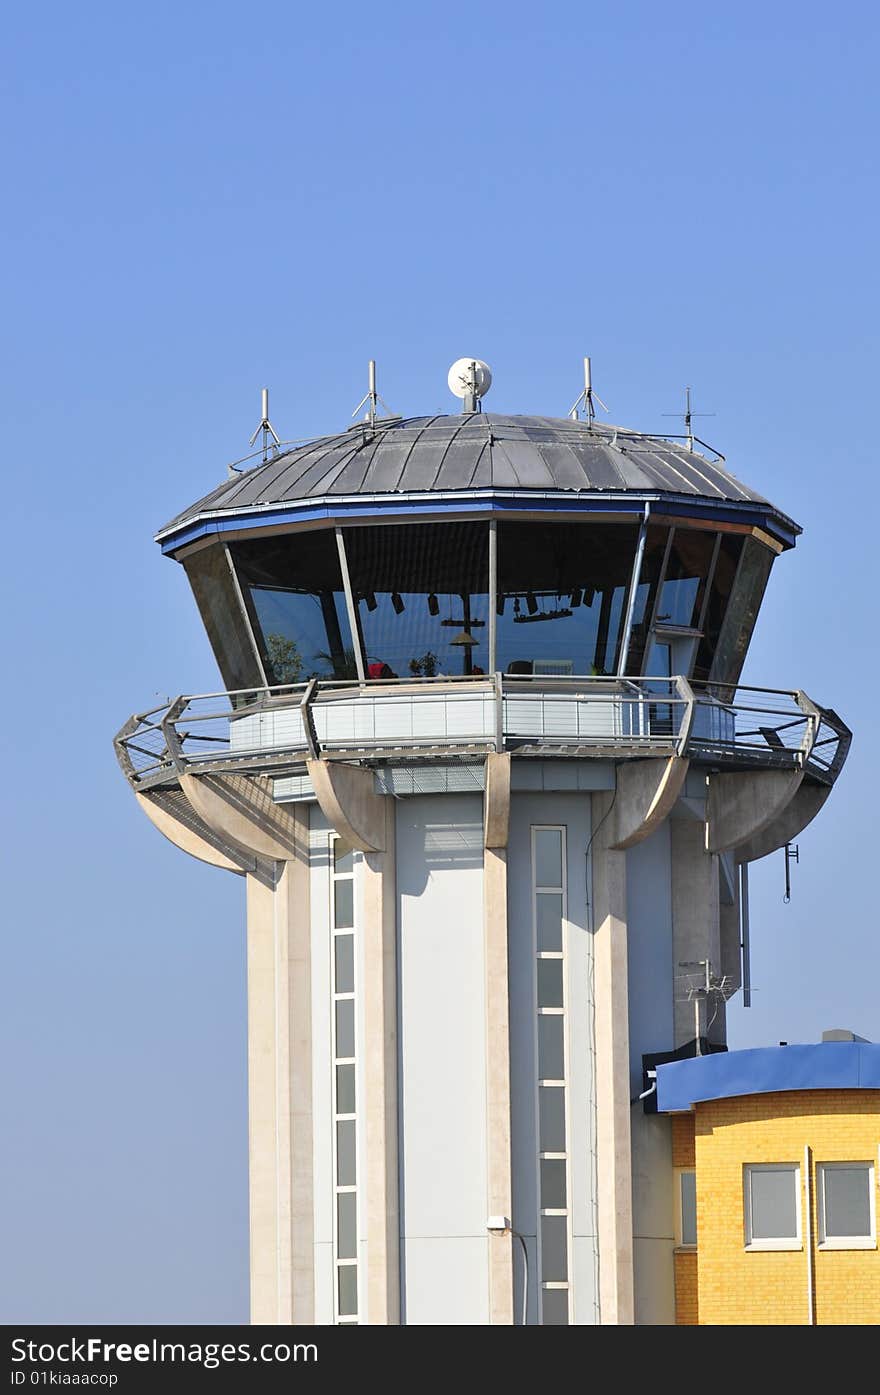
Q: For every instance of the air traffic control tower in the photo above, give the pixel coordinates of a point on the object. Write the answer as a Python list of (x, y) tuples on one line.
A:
[(484, 763)]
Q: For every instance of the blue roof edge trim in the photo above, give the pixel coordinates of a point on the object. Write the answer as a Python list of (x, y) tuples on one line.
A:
[(827, 1065), (495, 502)]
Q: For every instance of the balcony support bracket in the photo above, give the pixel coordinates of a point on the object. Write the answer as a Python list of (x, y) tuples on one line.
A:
[(348, 800), (742, 805), (646, 793)]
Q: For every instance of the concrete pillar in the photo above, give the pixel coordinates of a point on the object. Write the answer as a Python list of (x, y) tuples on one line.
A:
[(613, 1155), (696, 932), (262, 1105), (499, 1192), (380, 1031), (280, 1092)]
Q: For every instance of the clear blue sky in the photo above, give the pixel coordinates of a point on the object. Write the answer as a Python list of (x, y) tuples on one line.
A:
[(203, 198)]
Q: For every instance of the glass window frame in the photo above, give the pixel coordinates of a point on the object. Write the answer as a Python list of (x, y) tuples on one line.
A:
[(348, 613), (660, 632), (562, 1084), (614, 600), (333, 604), (780, 1242), (846, 1242), (680, 1242), (349, 531), (347, 1188)]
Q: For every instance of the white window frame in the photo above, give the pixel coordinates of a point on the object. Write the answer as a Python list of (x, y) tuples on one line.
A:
[(846, 1242), (680, 1242), (344, 1319), (782, 1242), (563, 1085)]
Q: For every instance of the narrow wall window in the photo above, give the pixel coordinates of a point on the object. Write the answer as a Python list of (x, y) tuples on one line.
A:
[(772, 1204), (345, 1161), (548, 918), (846, 1206), (686, 1209)]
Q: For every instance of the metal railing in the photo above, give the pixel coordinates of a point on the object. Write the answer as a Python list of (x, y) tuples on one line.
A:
[(270, 728)]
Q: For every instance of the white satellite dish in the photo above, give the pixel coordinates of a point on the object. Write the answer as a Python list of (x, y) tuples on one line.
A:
[(469, 377)]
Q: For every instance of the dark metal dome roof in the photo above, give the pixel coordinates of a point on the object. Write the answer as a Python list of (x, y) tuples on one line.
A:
[(476, 452)]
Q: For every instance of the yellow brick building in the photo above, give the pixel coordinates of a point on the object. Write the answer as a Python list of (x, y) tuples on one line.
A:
[(776, 1164)]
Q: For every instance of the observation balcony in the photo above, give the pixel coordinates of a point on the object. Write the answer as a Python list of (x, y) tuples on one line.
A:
[(274, 731)]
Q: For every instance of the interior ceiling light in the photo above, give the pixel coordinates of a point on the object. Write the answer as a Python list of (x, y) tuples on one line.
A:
[(542, 615), (433, 605), (370, 600), (531, 602), (397, 602), (464, 639), (575, 598)]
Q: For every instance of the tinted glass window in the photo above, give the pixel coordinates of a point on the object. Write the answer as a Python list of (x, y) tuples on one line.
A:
[(293, 587), (681, 595), (421, 591), (719, 595), (562, 595)]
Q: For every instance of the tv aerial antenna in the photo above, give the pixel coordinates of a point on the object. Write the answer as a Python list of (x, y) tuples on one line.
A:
[(470, 379), (687, 416), (704, 987), (587, 397), (371, 399), (267, 429)]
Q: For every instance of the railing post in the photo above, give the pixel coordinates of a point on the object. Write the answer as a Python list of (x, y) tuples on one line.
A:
[(811, 731), (121, 749), (173, 743), (686, 693), (305, 708)]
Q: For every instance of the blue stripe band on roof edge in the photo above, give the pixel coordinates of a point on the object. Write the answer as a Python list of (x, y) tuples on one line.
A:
[(827, 1065), (508, 503)]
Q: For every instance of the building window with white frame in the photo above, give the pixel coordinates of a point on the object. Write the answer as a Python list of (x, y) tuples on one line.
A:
[(845, 1195), (686, 1209), (345, 1160), (772, 1206), (549, 911)]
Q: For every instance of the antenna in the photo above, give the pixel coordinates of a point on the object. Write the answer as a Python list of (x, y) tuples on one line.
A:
[(266, 427), (704, 987), (372, 397), (687, 416), (588, 397), (792, 854), (470, 379)]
